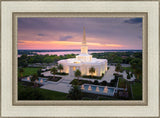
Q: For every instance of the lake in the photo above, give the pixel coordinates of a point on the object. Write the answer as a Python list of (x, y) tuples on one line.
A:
[(59, 52)]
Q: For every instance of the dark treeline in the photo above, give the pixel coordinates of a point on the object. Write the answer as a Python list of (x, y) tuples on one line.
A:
[(118, 57), (24, 60), (112, 57), (35, 51)]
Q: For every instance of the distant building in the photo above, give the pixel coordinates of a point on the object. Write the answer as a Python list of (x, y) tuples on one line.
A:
[(84, 62)]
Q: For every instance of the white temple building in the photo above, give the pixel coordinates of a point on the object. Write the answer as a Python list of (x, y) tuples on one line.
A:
[(84, 62)]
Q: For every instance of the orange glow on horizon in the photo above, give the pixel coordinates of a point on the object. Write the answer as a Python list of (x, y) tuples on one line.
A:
[(62, 45)]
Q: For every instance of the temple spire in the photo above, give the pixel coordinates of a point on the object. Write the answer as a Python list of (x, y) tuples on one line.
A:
[(84, 37), (84, 48)]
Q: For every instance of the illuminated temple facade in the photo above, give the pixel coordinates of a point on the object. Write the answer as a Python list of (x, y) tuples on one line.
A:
[(84, 62)]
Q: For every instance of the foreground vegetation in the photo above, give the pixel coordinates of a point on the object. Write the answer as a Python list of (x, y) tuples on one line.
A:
[(137, 91), (32, 93), (29, 92), (122, 83)]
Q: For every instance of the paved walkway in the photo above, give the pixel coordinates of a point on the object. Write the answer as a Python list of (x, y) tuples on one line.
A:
[(109, 75), (62, 85), (125, 76)]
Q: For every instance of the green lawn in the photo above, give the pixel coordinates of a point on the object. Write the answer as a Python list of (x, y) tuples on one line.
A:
[(28, 71), (137, 91), (128, 68), (122, 83), (30, 93)]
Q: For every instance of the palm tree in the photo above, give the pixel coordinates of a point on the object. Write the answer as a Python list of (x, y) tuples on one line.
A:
[(34, 78), (77, 73), (53, 71), (92, 71), (21, 71), (60, 67), (75, 93)]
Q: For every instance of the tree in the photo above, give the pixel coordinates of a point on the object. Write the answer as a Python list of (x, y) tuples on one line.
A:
[(53, 71), (48, 59), (22, 63), (39, 72), (75, 82), (127, 71), (136, 64), (34, 78), (128, 76), (21, 71), (60, 67), (77, 73), (118, 67), (75, 93), (24, 56), (103, 83), (138, 72), (96, 82), (92, 71)]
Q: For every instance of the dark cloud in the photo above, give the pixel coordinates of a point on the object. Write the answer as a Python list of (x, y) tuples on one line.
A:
[(65, 38), (40, 34), (68, 24), (40, 39), (134, 21), (140, 37), (62, 29)]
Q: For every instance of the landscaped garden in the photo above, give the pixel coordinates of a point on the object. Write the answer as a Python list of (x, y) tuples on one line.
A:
[(27, 71), (92, 77), (113, 83), (54, 79)]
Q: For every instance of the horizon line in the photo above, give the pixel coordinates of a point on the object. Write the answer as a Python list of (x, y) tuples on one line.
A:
[(79, 49)]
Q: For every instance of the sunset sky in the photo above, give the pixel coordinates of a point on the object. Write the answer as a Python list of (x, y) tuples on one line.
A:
[(67, 33)]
